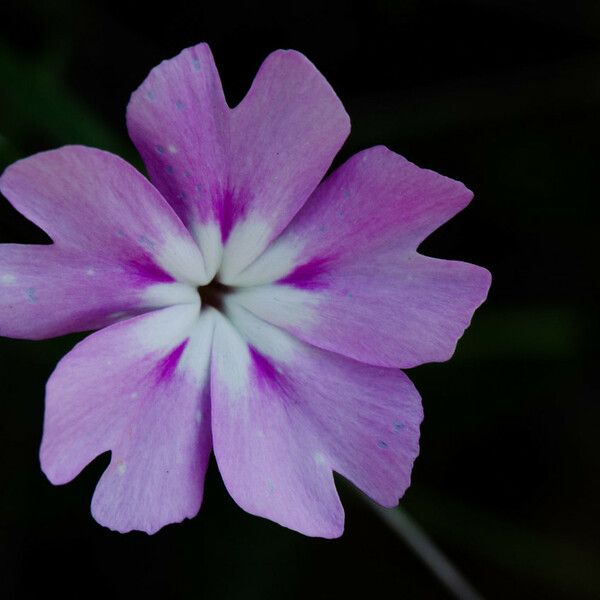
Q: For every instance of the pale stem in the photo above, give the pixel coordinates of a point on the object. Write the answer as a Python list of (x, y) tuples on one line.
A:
[(422, 545)]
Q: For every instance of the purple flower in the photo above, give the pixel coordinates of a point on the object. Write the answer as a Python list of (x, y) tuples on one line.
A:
[(243, 305)]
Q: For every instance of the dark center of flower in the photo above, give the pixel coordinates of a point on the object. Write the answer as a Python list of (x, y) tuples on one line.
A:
[(213, 294)]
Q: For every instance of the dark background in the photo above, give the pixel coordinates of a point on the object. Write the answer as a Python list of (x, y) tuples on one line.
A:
[(503, 96)]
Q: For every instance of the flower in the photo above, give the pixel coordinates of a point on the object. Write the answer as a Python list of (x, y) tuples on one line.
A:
[(243, 306)]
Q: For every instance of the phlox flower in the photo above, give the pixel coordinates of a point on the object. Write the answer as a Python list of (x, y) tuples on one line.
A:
[(243, 306)]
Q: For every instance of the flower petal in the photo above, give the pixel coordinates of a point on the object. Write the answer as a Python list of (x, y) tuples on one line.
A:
[(285, 414), (236, 177), (179, 121), (118, 246), (346, 271), (284, 135), (46, 291), (138, 388)]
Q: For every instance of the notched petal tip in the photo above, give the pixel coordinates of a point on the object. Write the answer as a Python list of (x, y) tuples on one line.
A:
[(53, 472), (481, 287), (201, 48), (328, 531), (295, 60), (58, 465), (150, 527), (461, 194), (343, 115)]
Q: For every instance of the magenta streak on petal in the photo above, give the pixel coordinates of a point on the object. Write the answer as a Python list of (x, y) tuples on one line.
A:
[(148, 269), (166, 367), (228, 211), (265, 371), (308, 275)]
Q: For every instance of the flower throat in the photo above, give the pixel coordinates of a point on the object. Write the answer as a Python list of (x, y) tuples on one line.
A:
[(213, 294)]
